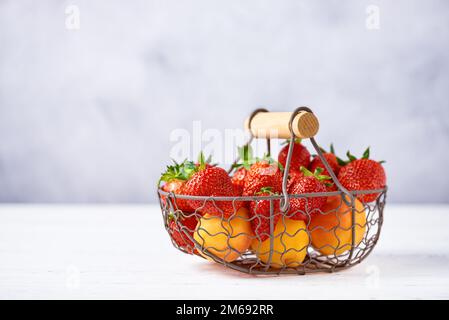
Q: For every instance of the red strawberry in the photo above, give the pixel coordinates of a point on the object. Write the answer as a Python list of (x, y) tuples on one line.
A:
[(308, 183), (262, 174), (212, 181), (300, 156), (175, 178), (331, 186), (331, 159), (177, 228), (246, 158), (333, 163), (292, 177), (238, 180), (177, 187), (260, 214), (363, 174)]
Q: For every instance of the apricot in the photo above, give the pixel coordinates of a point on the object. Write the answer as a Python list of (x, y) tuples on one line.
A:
[(290, 242), (331, 231), (226, 238)]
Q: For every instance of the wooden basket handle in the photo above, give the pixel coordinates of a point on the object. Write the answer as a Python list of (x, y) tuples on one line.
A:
[(275, 125)]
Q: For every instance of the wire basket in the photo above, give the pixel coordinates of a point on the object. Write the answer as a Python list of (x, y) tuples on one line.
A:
[(334, 238)]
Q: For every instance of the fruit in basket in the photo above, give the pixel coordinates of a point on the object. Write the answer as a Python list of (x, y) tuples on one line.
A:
[(300, 156), (262, 174), (331, 231), (175, 177), (334, 163), (307, 183), (290, 242), (238, 180), (260, 213), (293, 176), (212, 182), (308, 242), (242, 167), (363, 174), (331, 159), (177, 229), (226, 238)]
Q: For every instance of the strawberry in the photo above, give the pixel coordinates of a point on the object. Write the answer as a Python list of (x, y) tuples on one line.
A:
[(363, 174), (330, 186), (211, 182), (300, 156), (308, 183), (174, 185), (331, 159), (177, 228), (263, 174), (292, 177), (175, 178), (260, 214), (238, 178)]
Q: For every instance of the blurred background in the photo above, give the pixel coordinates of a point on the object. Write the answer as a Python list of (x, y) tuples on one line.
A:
[(91, 91)]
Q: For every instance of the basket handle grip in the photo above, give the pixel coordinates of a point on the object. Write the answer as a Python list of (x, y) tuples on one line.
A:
[(275, 125)]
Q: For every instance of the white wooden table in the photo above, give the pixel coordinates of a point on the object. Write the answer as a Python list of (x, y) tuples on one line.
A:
[(123, 252)]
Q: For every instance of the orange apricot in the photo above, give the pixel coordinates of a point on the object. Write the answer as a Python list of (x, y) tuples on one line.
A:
[(331, 230)]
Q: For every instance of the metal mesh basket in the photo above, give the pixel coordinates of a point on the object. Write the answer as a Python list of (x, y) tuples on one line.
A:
[(330, 239)]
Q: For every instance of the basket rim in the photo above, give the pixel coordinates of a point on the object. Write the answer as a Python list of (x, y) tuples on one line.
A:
[(273, 197)]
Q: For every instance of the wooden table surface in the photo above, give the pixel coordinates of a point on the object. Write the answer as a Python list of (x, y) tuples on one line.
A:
[(123, 252)]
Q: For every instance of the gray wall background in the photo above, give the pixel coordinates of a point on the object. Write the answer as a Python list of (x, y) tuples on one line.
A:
[(86, 115)]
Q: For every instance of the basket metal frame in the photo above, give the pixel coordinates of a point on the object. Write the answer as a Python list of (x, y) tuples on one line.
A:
[(314, 261)]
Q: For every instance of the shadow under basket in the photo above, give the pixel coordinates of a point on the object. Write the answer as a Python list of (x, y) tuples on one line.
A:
[(343, 233)]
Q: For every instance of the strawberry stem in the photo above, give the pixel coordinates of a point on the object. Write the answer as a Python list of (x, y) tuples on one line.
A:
[(246, 157), (341, 162), (350, 156), (202, 161), (266, 190), (332, 148), (182, 171), (366, 154), (317, 174)]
